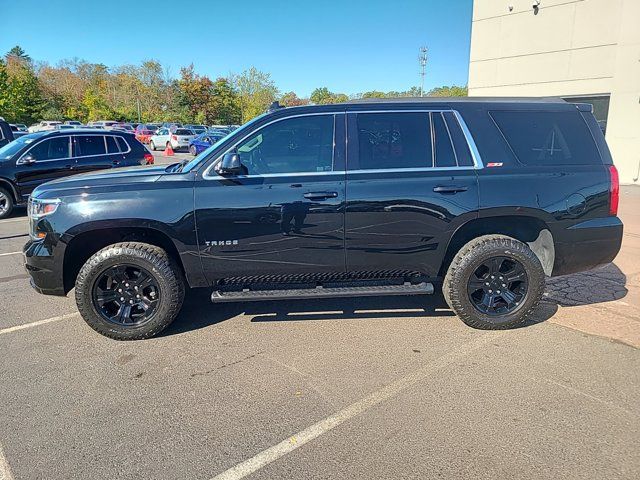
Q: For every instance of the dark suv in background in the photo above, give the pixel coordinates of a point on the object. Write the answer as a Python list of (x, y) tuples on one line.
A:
[(36, 158), (485, 197)]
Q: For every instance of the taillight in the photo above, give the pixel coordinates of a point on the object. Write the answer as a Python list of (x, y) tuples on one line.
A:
[(173, 137), (148, 159), (614, 190)]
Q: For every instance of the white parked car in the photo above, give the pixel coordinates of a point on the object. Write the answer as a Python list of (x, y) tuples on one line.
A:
[(179, 139), (75, 123), (44, 126), (106, 124)]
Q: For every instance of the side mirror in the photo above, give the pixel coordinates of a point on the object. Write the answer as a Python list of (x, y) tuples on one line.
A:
[(27, 160), (231, 164)]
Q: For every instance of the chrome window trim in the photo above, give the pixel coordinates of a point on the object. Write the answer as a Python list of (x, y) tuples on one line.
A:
[(453, 147), (207, 175), (475, 154), (18, 162), (105, 145)]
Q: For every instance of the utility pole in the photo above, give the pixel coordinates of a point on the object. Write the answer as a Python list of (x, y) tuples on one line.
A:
[(422, 58)]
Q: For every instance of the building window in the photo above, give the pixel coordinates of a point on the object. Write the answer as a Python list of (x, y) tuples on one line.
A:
[(600, 105)]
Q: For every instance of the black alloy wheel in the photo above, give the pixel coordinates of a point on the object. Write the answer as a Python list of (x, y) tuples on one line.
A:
[(126, 295), (498, 286)]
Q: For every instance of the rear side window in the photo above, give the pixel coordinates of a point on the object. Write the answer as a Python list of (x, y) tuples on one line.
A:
[(112, 146), (89, 145), (183, 131), (393, 140), (445, 156), (463, 154), (122, 143), (547, 138)]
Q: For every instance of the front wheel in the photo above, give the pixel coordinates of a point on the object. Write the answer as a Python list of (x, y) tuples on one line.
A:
[(192, 150), (129, 291), (6, 203), (494, 282)]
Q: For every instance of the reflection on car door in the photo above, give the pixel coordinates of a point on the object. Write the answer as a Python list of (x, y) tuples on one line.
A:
[(286, 214), (52, 160), (90, 153), (408, 190)]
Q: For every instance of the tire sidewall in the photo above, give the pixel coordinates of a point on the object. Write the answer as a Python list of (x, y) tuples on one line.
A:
[(10, 204), (110, 257)]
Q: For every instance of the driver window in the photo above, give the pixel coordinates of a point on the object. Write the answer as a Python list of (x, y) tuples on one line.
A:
[(51, 149), (295, 145)]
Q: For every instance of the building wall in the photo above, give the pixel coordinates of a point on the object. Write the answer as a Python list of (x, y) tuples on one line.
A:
[(567, 48)]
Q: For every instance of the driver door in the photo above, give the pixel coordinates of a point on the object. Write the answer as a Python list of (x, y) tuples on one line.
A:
[(284, 214), (51, 160)]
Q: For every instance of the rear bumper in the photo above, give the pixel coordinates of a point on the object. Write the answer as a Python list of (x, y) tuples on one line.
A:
[(44, 268), (587, 245)]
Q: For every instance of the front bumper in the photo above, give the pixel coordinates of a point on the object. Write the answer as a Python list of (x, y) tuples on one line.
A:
[(44, 267)]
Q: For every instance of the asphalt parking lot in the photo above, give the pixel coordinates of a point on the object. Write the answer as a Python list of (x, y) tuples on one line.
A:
[(350, 388)]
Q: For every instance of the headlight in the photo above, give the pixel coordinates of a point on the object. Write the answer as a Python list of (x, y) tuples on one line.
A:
[(41, 208)]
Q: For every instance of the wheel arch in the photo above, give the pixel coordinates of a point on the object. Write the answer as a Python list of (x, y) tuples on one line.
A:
[(529, 229), (4, 183), (83, 245)]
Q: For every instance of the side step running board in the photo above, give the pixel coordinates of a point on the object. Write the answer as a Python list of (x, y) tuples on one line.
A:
[(322, 292)]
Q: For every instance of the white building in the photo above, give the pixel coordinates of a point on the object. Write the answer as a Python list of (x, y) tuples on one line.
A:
[(586, 50)]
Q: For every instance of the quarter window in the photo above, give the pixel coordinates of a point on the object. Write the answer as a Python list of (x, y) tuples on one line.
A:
[(295, 145), (393, 140), (463, 154), (112, 147), (444, 154), (548, 138), (122, 143), (89, 145), (51, 149)]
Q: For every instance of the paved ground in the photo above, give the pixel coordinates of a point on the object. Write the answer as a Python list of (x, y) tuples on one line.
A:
[(369, 388)]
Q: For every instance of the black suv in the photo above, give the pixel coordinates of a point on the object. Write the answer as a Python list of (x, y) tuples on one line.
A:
[(482, 196), (33, 159)]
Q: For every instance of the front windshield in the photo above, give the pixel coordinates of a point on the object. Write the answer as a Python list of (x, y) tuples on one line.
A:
[(205, 154), (10, 149)]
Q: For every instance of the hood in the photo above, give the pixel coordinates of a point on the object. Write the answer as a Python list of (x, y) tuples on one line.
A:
[(103, 178)]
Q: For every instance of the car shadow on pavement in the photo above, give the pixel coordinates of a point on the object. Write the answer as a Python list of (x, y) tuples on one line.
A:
[(198, 311), (600, 285)]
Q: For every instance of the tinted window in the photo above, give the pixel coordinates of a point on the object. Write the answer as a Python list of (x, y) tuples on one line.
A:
[(51, 149), (463, 154), (112, 147), (302, 144), (393, 140), (122, 143), (89, 145), (445, 157), (183, 131), (548, 138)]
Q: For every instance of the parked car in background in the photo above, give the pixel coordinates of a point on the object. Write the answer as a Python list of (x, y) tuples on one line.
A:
[(42, 156), (197, 129), (125, 127), (103, 123), (203, 141), (44, 126), (178, 139), (74, 123), (16, 131), (143, 132), (6, 133), (65, 126), (21, 127)]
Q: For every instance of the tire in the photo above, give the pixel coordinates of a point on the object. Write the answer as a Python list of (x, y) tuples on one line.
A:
[(193, 151), (130, 256), (6, 203), (152, 146), (465, 273)]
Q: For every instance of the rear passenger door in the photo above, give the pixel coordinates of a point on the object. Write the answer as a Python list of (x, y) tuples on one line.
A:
[(411, 182), (90, 153)]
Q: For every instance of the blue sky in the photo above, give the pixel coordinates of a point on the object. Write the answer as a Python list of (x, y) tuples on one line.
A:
[(346, 46)]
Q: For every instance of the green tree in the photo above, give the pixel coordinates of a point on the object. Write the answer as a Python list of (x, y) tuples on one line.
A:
[(18, 52), (290, 99), (4, 90), (225, 104), (446, 91), (22, 100), (256, 91), (322, 96)]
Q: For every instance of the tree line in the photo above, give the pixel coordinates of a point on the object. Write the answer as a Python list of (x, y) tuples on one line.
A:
[(78, 90)]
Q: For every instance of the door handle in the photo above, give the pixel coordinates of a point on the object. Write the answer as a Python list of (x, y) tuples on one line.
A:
[(450, 189), (320, 195)]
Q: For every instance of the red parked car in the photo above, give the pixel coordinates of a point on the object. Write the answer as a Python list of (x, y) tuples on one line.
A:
[(144, 132)]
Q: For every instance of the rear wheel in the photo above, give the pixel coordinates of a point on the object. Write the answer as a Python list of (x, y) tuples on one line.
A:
[(192, 150), (494, 282), (6, 203), (129, 291), (152, 145)]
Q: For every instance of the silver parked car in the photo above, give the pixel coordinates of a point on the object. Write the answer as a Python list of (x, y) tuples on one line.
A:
[(179, 139)]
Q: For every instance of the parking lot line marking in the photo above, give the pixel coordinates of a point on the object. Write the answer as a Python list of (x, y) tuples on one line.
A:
[(38, 323), (5, 470), (10, 253), (297, 440)]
